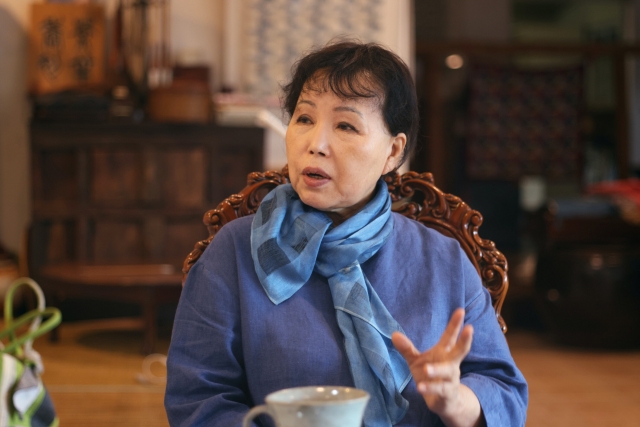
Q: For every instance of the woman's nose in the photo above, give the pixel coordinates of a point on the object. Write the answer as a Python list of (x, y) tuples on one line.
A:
[(319, 143)]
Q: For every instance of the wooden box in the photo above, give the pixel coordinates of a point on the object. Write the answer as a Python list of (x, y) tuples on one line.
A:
[(67, 46), (180, 103)]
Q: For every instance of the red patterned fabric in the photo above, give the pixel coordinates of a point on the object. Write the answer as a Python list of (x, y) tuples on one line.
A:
[(524, 123), (628, 188), (625, 193)]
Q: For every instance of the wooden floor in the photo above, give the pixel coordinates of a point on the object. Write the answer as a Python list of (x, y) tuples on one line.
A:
[(574, 387), (91, 375)]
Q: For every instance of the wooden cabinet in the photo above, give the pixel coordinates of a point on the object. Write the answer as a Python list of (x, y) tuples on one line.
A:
[(131, 193)]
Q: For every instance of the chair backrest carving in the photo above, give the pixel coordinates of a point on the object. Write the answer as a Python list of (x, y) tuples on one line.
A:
[(414, 195)]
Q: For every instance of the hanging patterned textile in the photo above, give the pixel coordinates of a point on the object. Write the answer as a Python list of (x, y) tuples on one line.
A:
[(524, 122), (278, 32)]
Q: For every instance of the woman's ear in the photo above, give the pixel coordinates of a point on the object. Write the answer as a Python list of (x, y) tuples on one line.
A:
[(398, 143)]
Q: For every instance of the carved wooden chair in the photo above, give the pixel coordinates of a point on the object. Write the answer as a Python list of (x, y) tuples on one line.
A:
[(414, 195)]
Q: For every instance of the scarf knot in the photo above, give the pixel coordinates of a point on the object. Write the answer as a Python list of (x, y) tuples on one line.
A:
[(290, 240)]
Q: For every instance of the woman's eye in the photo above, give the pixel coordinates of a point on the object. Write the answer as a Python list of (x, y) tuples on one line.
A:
[(346, 126), (303, 120)]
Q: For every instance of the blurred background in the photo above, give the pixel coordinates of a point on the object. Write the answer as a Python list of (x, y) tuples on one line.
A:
[(123, 121)]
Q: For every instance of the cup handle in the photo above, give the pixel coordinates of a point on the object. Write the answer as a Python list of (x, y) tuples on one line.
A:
[(260, 409)]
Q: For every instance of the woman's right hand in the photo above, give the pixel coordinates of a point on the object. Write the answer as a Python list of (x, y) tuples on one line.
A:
[(436, 373)]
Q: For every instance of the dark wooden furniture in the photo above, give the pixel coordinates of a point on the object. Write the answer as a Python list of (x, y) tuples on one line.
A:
[(127, 194), (414, 195), (439, 144), (587, 283), (146, 284)]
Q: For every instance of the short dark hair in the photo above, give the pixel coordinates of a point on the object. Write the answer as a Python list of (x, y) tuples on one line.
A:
[(362, 70)]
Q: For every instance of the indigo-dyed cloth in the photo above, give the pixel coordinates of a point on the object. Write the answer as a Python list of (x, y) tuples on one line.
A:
[(290, 240), (231, 346)]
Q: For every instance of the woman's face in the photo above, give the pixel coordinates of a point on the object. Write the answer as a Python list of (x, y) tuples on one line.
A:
[(337, 149)]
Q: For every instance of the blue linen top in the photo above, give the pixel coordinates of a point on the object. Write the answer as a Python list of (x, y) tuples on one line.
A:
[(231, 346)]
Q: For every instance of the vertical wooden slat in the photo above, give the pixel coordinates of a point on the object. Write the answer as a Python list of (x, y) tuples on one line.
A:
[(116, 176), (151, 172), (184, 179), (436, 155), (622, 116), (57, 242), (82, 220), (154, 238)]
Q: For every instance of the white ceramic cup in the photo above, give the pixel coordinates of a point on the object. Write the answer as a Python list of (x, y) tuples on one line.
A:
[(319, 406)]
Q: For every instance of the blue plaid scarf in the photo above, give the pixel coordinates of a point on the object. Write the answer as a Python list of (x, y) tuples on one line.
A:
[(290, 240)]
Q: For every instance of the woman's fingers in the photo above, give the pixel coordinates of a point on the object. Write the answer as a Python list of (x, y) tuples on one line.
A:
[(454, 345), (439, 388), (463, 345), (442, 371), (437, 370), (450, 334), (405, 346)]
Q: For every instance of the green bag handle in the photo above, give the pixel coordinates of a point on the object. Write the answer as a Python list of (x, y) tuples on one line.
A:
[(34, 316), (16, 342)]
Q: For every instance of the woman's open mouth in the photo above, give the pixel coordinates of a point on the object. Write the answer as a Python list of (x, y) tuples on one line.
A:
[(315, 177)]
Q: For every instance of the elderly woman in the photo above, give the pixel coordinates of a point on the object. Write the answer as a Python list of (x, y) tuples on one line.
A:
[(326, 286)]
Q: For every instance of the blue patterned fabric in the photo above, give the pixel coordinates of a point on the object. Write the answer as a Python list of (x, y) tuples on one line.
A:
[(290, 240), (278, 32)]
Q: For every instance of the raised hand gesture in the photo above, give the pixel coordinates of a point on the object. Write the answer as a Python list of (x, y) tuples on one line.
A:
[(436, 373)]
